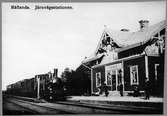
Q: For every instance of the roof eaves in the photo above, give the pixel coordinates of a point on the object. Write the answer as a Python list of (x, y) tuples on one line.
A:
[(93, 58), (119, 60)]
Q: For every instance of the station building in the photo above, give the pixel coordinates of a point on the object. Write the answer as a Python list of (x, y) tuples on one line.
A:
[(128, 58)]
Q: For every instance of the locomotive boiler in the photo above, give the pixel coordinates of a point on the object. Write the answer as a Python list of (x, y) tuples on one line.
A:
[(43, 86)]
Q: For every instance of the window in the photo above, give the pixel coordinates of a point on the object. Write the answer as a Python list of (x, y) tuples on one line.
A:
[(98, 79), (114, 81), (134, 75), (119, 76), (109, 78)]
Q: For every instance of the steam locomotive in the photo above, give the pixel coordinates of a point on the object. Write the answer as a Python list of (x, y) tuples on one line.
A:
[(44, 86)]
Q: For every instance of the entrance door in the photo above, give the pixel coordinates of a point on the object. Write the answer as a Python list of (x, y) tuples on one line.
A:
[(109, 79), (119, 77), (114, 78)]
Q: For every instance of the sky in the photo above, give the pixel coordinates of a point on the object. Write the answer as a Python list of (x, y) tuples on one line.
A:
[(37, 41)]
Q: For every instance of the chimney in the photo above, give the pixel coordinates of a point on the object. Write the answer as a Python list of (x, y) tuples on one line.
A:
[(143, 24), (55, 72)]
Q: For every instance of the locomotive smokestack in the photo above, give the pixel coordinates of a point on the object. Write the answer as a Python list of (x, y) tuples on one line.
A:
[(55, 72)]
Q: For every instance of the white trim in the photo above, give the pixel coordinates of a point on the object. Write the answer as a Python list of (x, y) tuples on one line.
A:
[(38, 87), (86, 66), (119, 60), (131, 76), (106, 80), (156, 72), (123, 83), (99, 43), (146, 67), (91, 81), (116, 79), (114, 67)]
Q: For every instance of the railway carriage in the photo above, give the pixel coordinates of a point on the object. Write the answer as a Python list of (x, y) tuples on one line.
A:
[(50, 87)]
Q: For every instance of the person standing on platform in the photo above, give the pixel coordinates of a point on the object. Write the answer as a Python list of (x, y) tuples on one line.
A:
[(147, 89), (121, 89), (105, 88)]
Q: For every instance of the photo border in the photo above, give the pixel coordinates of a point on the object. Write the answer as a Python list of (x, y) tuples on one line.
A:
[(82, 1)]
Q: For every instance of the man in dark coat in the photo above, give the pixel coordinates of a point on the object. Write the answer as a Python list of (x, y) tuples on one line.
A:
[(105, 87), (121, 89), (147, 89)]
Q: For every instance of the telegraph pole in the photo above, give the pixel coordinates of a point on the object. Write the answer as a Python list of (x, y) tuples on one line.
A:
[(38, 87)]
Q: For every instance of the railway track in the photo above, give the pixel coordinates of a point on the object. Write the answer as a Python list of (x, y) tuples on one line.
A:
[(37, 108), (69, 107), (116, 108), (60, 108), (22, 110)]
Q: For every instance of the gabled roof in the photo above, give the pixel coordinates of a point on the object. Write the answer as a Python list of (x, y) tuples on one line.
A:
[(93, 58), (131, 39), (127, 40)]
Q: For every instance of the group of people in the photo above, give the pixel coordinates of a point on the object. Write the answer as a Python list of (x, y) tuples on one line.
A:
[(104, 88)]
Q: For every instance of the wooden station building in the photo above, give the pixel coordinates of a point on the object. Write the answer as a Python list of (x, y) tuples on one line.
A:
[(128, 58)]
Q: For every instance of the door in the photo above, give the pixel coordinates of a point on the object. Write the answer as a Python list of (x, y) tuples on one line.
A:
[(109, 79), (119, 77), (114, 78)]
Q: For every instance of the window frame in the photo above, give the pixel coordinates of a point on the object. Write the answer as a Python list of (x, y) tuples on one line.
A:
[(106, 80), (131, 76)]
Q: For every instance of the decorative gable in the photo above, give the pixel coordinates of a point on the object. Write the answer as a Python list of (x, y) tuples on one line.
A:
[(106, 45), (156, 44), (115, 45)]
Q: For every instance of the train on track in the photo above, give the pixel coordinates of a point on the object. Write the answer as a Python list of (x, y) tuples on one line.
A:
[(43, 86)]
